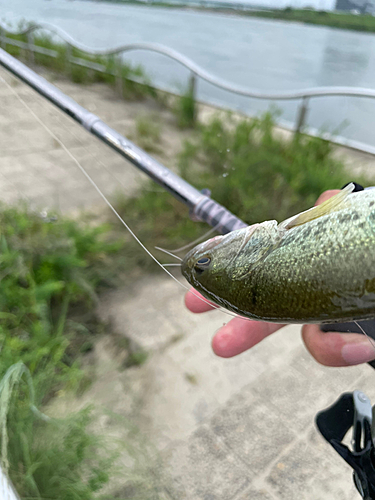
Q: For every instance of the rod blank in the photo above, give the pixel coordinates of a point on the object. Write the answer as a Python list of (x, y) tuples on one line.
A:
[(200, 205)]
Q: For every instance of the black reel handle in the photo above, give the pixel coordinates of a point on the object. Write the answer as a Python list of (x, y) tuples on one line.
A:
[(352, 411)]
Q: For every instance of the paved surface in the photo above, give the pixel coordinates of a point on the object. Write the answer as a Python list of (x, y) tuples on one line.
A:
[(238, 429)]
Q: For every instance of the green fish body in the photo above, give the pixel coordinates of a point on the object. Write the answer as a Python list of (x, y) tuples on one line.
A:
[(316, 267)]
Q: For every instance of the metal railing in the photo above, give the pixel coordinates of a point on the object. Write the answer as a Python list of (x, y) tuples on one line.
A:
[(195, 70)]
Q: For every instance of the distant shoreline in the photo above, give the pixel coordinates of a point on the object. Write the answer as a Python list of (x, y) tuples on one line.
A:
[(340, 20)]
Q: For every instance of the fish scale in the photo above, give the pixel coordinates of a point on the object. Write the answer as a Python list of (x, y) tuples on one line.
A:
[(316, 267)]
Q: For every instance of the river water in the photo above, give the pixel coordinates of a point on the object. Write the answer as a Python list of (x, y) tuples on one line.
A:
[(260, 54)]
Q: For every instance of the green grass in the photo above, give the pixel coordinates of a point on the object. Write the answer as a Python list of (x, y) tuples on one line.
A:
[(186, 110), (341, 20), (56, 459), (333, 19), (158, 219), (50, 275), (148, 133), (134, 82), (48, 271), (258, 175), (63, 459), (248, 168)]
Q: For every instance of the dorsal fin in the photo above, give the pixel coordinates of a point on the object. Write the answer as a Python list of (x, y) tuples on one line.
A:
[(334, 204)]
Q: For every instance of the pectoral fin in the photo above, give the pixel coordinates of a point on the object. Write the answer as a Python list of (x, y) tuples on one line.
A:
[(334, 204)]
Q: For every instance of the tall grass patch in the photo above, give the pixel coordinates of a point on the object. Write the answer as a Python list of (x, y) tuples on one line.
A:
[(258, 174), (249, 169), (185, 109), (50, 272), (148, 133)]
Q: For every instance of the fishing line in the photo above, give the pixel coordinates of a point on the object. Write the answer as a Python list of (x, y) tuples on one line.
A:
[(95, 158), (169, 253), (119, 181), (88, 150), (372, 341), (93, 183), (192, 243)]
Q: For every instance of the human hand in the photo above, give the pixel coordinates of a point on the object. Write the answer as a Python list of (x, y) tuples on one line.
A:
[(328, 348)]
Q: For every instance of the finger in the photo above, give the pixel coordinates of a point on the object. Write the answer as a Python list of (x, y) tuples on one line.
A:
[(337, 349), (239, 335), (326, 196), (196, 303)]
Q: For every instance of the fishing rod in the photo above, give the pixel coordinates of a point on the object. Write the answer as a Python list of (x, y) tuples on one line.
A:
[(201, 206), (352, 409)]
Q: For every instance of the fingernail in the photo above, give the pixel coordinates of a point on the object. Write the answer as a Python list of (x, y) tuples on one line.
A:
[(354, 354)]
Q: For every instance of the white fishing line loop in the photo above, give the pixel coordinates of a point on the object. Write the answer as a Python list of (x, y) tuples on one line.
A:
[(168, 253), (192, 243)]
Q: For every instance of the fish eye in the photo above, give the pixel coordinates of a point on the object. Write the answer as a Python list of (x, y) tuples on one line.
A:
[(203, 261), (202, 264)]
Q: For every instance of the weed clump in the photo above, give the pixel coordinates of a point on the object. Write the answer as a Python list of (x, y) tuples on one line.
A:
[(148, 133), (257, 174), (249, 169), (50, 458), (186, 109), (48, 271)]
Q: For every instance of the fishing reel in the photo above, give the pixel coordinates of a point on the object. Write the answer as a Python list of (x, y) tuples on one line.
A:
[(352, 410)]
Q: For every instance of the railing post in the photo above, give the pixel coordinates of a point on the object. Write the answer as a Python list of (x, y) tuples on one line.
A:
[(192, 85), (302, 113), (30, 48), (2, 38), (192, 90), (118, 71), (68, 60)]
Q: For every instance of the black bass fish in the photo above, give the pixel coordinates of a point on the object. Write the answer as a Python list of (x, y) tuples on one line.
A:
[(315, 267)]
